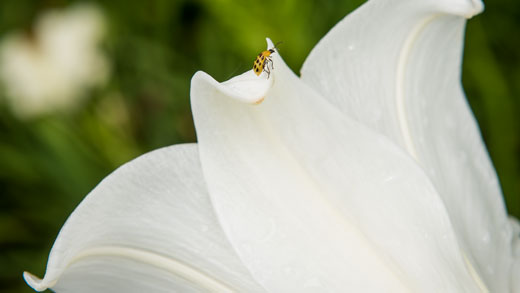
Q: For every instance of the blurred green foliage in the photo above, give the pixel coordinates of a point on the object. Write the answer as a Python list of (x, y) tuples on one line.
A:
[(48, 164)]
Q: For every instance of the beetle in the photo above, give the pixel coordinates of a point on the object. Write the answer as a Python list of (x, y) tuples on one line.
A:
[(263, 60)]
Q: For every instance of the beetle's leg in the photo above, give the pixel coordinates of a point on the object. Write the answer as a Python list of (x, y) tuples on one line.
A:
[(268, 61), (266, 69)]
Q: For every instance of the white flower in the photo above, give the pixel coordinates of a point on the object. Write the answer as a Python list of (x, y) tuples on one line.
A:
[(51, 69), (368, 174)]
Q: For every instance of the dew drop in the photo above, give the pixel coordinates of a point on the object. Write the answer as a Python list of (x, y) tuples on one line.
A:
[(486, 237)]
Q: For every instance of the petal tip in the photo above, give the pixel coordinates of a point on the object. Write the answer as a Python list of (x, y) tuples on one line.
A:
[(200, 75), (464, 8), (477, 6), (34, 282), (247, 87), (270, 43)]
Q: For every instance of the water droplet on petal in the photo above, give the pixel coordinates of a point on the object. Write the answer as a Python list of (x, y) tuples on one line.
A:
[(486, 237)]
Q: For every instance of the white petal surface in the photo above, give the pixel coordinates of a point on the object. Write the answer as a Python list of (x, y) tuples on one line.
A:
[(409, 89), (148, 227), (449, 146), (515, 244), (247, 87), (313, 201), (358, 65)]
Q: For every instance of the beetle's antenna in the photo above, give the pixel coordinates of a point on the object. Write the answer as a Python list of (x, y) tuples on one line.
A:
[(276, 45)]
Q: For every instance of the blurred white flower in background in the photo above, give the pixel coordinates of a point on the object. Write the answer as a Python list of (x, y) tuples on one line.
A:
[(52, 68)]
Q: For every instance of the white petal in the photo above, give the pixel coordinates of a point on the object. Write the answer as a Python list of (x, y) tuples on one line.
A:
[(148, 227), (313, 201), (515, 244), (449, 146), (358, 65), (400, 75), (247, 87)]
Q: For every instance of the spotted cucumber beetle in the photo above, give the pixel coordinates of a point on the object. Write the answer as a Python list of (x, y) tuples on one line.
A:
[(263, 60)]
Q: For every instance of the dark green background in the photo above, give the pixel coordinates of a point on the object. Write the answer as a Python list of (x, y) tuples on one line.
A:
[(48, 164)]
